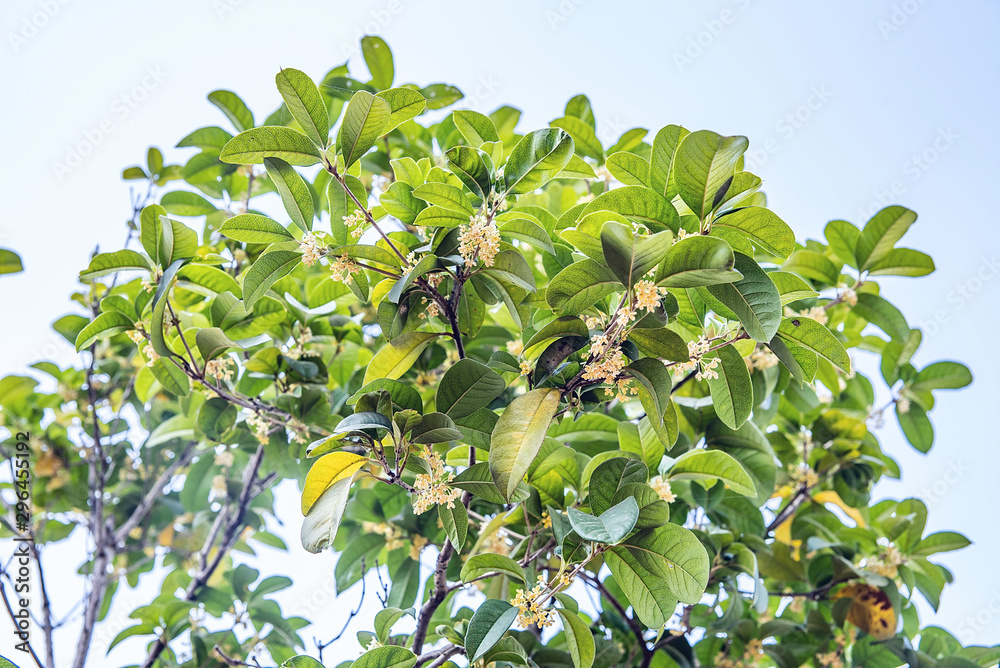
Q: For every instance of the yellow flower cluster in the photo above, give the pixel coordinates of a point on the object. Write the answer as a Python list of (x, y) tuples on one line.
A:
[(515, 347), (705, 368), (886, 564), (623, 391), (434, 280), (219, 369), (593, 323), (299, 349), (224, 459), (355, 223), (136, 336), (343, 267), (393, 536), (662, 489), (681, 234), (802, 475), (607, 364), (259, 426), (647, 295), (309, 249), (546, 522), (432, 488), (848, 295), (151, 355), (219, 485), (526, 368), (530, 605), (762, 359), (432, 310), (417, 546), (903, 405), (479, 239)]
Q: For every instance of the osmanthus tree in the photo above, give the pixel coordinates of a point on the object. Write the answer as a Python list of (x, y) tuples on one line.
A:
[(553, 370)]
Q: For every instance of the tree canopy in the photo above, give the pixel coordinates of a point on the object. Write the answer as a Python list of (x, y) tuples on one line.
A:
[(548, 368)]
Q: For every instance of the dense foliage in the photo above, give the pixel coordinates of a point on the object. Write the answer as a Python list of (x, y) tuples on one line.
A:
[(545, 365)]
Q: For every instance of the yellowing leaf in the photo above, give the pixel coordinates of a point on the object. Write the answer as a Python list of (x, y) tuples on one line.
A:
[(518, 435), (328, 470), (871, 610), (834, 498), (397, 356)]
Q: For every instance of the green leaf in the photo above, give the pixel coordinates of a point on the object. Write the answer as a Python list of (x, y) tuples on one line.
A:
[(655, 385), (397, 356), (103, 326), (306, 105), (295, 193), (252, 228), (487, 562), (361, 421), (732, 391), (713, 465), (474, 167), (364, 121), (941, 376), (916, 427), (809, 334), (475, 127), (579, 286), (426, 263), (610, 527), (638, 203), (477, 428), (812, 265), (212, 279), (265, 272), (403, 396), (903, 262), (404, 104), (212, 342), (171, 377), (578, 637), (754, 299), (466, 387), (697, 261), (159, 304), (941, 541), (518, 435), (628, 168), (536, 159), (384, 620), (585, 139), (440, 95), (252, 146), (631, 256), (661, 160), (527, 231), (656, 568), (762, 226), (445, 196), (791, 288), (233, 107), (183, 203), (212, 137), (487, 626), (109, 263), (390, 656), (435, 428), (215, 417), (455, 521), (378, 58), (881, 233), (662, 342), (609, 477), (883, 315), (703, 164)]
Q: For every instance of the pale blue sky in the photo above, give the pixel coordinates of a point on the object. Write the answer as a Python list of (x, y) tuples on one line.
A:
[(848, 105)]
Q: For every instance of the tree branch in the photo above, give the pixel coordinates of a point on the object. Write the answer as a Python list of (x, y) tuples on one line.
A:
[(139, 514)]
